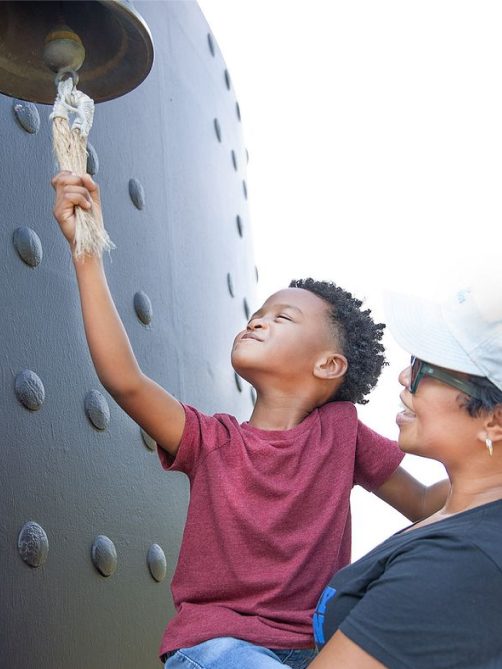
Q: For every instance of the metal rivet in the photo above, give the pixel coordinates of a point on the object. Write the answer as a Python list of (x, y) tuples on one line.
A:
[(210, 44), (143, 307), (92, 160), (104, 555), (234, 160), (148, 441), (29, 389), (252, 392), (238, 110), (227, 80), (27, 116), (28, 245), (246, 308), (217, 129), (137, 193), (97, 410), (230, 285), (32, 544), (156, 561), (238, 382), (239, 226), (245, 189)]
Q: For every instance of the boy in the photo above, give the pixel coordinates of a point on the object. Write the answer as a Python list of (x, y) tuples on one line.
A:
[(269, 519)]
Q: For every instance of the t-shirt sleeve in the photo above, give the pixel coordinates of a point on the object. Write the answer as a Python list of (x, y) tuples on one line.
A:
[(202, 434), (432, 607), (377, 458)]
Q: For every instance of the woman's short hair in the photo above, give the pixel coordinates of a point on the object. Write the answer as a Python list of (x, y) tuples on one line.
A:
[(489, 396)]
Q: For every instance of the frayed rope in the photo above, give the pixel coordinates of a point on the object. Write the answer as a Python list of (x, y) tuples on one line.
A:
[(70, 148)]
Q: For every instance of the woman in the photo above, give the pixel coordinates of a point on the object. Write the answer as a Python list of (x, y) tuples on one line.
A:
[(431, 596)]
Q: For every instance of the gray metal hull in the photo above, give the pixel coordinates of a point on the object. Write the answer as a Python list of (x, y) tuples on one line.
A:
[(181, 253)]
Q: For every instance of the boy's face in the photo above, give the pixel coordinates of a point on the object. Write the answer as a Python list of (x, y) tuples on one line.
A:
[(284, 338)]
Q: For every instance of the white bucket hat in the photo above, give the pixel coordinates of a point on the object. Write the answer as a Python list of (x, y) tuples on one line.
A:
[(463, 334)]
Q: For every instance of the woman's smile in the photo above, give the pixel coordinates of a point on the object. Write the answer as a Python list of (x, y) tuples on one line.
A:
[(406, 415)]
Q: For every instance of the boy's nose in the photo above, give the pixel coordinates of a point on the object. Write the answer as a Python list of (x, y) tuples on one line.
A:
[(255, 323)]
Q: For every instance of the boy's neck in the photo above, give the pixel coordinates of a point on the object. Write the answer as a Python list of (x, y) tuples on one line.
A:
[(279, 412)]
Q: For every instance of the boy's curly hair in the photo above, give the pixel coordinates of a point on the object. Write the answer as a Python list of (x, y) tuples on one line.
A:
[(358, 335)]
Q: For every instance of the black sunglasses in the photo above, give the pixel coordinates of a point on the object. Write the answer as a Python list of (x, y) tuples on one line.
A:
[(419, 369)]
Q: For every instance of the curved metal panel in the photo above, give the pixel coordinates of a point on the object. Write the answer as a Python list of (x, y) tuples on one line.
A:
[(75, 467)]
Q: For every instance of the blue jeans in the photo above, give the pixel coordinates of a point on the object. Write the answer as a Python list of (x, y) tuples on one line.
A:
[(230, 653)]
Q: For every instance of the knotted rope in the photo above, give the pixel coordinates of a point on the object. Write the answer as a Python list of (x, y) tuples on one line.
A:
[(70, 148)]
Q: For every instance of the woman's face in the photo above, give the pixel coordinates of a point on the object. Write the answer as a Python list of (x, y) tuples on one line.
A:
[(434, 422)]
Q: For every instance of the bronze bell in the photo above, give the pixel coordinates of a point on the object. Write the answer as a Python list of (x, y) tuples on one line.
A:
[(107, 41)]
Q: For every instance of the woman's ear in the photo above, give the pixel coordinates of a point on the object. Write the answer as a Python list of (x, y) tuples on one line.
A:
[(331, 366), (492, 426)]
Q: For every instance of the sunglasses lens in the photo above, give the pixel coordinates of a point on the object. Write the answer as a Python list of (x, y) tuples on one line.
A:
[(415, 368)]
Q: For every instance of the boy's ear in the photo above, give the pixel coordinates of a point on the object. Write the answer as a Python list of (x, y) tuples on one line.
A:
[(331, 366)]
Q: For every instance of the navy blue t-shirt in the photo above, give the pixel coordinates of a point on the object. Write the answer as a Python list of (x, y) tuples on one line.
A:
[(427, 598)]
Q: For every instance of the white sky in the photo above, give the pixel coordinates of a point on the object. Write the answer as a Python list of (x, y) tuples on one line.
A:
[(374, 130)]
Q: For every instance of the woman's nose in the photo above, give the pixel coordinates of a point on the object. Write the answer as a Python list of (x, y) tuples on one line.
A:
[(405, 377)]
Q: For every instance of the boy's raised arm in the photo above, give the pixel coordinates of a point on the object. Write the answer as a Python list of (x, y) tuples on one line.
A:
[(152, 407)]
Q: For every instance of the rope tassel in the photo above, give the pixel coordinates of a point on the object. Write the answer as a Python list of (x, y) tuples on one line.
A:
[(70, 148)]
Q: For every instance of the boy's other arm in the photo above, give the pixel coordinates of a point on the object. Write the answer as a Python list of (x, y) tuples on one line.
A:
[(147, 403), (412, 498)]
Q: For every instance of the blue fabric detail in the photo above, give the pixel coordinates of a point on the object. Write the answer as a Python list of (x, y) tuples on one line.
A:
[(327, 594), (318, 619)]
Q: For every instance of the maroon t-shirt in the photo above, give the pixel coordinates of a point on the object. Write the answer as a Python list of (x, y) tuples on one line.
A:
[(268, 522)]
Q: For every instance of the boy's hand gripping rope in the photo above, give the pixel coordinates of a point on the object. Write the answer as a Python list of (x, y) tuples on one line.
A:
[(70, 147)]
